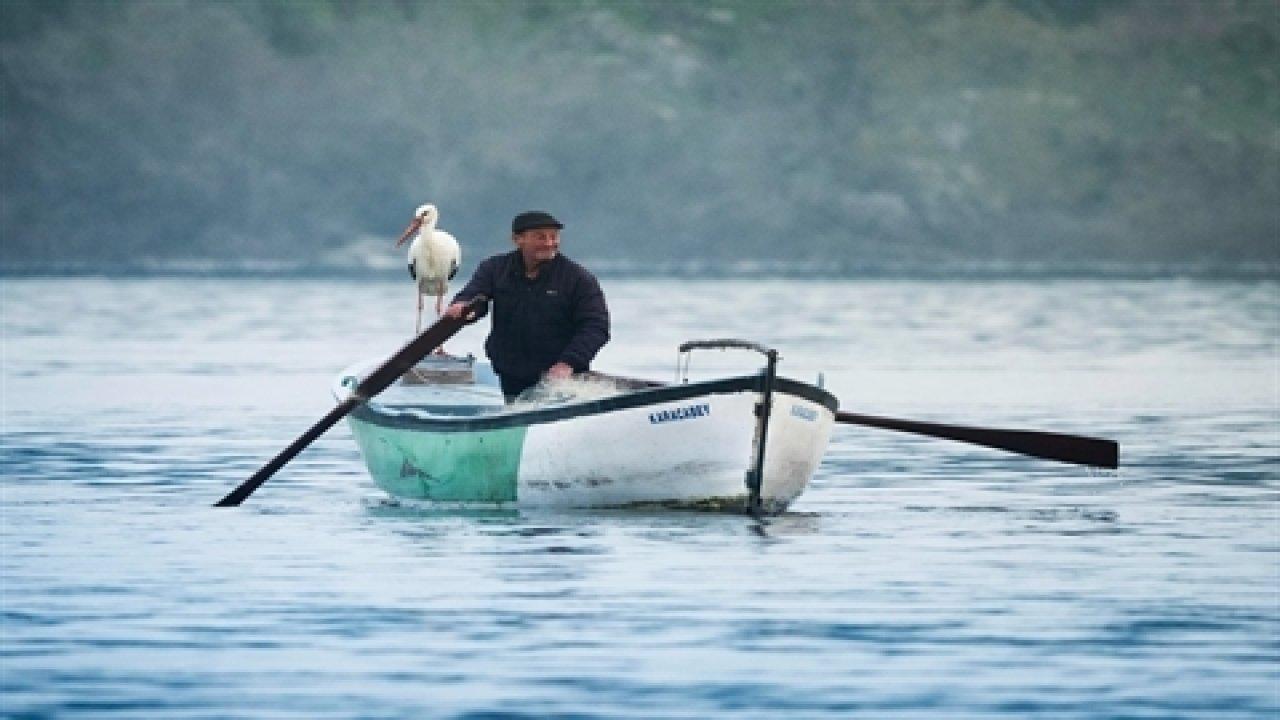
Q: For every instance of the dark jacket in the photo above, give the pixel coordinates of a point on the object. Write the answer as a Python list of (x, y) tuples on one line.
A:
[(559, 316)]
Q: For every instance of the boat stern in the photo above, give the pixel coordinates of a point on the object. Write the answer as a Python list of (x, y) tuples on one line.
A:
[(799, 431)]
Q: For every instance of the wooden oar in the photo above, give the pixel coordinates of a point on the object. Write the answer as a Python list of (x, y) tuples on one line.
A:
[(376, 382), (1095, 452)]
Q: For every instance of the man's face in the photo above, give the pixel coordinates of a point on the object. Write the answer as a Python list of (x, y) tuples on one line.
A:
[(539, 245)]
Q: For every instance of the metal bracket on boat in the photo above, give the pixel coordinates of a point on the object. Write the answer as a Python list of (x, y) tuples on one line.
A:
[(685, 355), (755, 476)]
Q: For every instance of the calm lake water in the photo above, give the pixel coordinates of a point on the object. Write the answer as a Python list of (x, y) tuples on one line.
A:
[(915, 578)]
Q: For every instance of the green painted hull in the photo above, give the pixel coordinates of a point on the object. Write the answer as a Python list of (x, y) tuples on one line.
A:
[(460, 467)]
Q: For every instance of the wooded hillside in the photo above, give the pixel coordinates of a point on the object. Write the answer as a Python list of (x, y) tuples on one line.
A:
[(843, 131)]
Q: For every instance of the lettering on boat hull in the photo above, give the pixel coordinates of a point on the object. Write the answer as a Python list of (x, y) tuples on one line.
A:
[(804, 413), (688, 412)]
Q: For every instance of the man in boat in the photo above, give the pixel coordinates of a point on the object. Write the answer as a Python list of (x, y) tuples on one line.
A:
[(549, 313)]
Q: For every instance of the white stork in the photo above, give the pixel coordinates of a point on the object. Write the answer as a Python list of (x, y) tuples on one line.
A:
[(433, 258)]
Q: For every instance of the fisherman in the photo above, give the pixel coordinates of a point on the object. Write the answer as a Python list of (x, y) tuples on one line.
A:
[(549, 313)]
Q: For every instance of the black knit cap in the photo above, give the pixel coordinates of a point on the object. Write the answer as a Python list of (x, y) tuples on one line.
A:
[(534, 220)]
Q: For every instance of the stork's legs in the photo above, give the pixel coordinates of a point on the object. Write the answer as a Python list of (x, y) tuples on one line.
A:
[(417, 326), (439, 313)]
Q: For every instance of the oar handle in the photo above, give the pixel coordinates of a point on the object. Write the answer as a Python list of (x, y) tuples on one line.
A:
[(409, 355)]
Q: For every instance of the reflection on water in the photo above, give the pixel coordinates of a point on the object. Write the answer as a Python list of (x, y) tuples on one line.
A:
[(915, 578)]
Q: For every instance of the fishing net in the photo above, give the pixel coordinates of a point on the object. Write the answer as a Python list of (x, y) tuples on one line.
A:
[(566, 391)]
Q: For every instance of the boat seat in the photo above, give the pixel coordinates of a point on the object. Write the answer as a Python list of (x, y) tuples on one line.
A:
[(442, 370)]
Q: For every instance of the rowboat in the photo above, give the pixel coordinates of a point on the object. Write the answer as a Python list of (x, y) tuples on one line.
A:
[(444, 434)]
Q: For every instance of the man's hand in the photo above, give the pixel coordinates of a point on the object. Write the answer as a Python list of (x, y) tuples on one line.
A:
[(559, 371), (455, 310)]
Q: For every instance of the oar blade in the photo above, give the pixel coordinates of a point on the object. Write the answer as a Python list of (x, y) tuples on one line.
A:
[(1090, 451), (247, 488), (1078, 449)]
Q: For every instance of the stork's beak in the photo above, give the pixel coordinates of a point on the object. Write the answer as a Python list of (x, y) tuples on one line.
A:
[(413, 228)]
